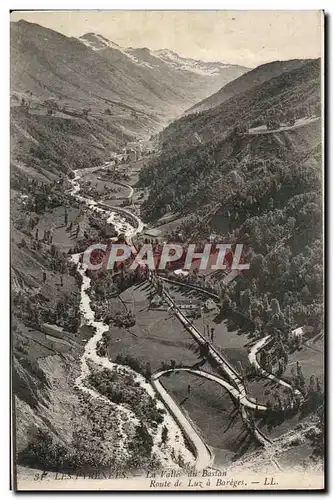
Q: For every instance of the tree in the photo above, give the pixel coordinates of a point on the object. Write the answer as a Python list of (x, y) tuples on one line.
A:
[(142, 442), (148, 370), (22, 243), (164, 435), (312, 386), (53, 250), (300, 379), (41, 201), (257, 265), (274, 306), (245, 299), (44, 452), (85, 111), (290, 117), (280, 368)]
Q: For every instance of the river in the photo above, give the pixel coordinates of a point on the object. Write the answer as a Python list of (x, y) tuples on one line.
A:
[(175, 440)]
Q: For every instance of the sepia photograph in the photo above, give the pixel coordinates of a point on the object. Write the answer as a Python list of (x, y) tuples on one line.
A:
[(166, 250)]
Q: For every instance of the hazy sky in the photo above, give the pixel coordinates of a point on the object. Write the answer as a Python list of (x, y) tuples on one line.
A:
[(241, 37)]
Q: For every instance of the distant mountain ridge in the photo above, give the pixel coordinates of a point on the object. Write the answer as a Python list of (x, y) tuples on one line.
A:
[(102, 95), (94, 71), (140, 55)]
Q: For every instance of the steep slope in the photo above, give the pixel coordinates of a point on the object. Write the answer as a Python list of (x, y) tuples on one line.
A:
[(206, 178), (58, 123), (105, 94), (70, 107), (245, 82), (49, 64), (296, 92), (46, 147), (261, 188)]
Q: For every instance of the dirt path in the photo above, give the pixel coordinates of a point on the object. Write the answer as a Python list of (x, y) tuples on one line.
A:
[(299, 123)]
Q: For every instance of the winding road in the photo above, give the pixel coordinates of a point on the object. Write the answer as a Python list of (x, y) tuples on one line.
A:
[(175, 419), (198, 337), (301, 122), (201, 451), (252, 356), (235, 393)]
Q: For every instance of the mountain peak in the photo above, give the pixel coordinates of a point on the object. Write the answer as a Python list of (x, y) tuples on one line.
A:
[(165, 52), (188, 64), (98, 42)]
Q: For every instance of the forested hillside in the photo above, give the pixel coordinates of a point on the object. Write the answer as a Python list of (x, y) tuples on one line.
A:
[(263, 190), (249, 80), (296, 91)]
